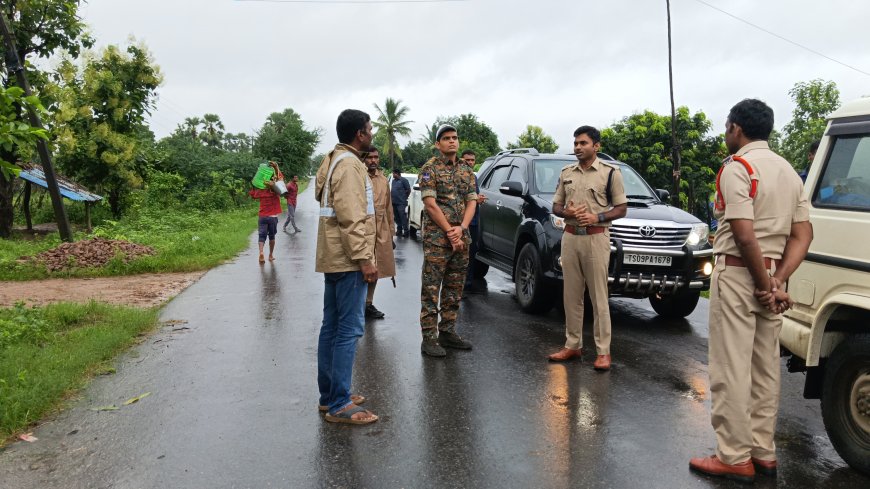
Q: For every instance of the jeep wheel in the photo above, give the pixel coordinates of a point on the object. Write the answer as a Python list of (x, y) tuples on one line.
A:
[(480, 269), (533, 293), (846, 401), (675, 306)]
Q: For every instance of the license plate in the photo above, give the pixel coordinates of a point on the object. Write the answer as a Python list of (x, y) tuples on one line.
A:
[(655, 260)]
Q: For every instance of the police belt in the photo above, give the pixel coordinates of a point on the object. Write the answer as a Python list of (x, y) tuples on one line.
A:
[(736, 261), (582, 231)]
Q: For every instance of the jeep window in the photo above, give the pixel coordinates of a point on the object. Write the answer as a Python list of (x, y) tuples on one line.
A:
[(547, 177), (498, 176), (845, 179)]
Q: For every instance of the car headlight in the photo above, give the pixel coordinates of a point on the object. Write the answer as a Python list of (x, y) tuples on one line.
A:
[(698, 234), (557, 222)]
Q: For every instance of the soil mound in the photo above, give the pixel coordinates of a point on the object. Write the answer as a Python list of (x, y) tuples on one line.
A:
[(89, 253)]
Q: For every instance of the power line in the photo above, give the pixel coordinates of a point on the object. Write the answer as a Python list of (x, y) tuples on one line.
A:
[(352, 1), (784, 38)]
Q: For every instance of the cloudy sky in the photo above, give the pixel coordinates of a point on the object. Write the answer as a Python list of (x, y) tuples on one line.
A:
[(553, 63)]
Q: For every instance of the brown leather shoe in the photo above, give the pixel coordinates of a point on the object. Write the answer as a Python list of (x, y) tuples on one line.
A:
[(765, 467), (602, 362), (565, 354), (743, 472)]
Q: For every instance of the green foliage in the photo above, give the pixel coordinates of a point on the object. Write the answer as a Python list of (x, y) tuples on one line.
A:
[(416, 153), (814, 100), (22, 325), (391, 122), (212, 131), (535, 137), (14, 132), (45, 353), (101, 136), (474, 134), (284, 139), (644, 141)]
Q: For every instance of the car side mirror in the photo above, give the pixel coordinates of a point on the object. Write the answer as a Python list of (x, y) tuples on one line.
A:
[(511, 188), (663, 194), (416, 186)]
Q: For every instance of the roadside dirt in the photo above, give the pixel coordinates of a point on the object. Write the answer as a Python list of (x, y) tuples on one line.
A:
[(145, 290)]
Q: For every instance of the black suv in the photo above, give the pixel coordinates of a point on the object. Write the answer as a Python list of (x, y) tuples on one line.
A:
[(657, 251)]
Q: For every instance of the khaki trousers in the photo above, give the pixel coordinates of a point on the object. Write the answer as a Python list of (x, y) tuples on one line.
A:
[(584, 263), (744, 367)]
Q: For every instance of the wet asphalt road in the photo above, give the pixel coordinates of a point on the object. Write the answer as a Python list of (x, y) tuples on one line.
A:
[(233, 398)]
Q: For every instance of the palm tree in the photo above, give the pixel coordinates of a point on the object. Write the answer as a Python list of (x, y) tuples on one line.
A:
[(391, 121), (213, 130), (190, 126)]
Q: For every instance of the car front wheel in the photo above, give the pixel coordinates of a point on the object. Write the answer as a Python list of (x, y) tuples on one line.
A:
[(534, 294)]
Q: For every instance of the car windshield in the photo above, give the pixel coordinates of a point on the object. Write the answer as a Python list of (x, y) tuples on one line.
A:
[(547, 177)]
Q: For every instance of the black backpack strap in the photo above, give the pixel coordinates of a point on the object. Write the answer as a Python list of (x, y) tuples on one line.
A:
[(607, 189)]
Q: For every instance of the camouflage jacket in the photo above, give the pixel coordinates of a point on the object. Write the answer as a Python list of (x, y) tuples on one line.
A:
[(452, 185)]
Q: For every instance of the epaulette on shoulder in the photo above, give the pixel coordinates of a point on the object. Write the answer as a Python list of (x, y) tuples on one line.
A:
[(609, 165), (569, 165)]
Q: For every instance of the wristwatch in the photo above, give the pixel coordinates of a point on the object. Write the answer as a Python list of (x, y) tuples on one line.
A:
[(601, 217)]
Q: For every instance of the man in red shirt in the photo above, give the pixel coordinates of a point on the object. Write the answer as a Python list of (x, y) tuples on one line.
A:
[(292, 190), (270, 208)]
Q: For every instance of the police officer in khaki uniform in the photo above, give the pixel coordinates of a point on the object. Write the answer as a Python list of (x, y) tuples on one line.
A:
[(588, 203), (763, 236)]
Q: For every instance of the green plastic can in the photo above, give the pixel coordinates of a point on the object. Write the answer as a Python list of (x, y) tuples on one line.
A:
[(264, 172)]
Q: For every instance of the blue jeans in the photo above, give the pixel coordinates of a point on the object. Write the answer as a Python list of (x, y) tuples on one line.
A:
[(344, 298)]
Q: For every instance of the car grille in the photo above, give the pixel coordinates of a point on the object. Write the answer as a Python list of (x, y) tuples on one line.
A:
[(640, 234)]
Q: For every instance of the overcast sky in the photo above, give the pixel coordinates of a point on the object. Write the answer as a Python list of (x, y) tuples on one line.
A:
[(552, 63)]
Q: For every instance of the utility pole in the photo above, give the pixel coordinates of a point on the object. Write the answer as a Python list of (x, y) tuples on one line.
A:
[(675, 144), (13, 65)]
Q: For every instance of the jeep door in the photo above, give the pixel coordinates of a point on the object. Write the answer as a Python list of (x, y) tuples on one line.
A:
[(489, 211), (509, 212)]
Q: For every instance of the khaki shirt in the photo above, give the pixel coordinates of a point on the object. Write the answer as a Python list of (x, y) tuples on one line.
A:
[(778, 202), (348, 237), (590, 187), (452, 185)]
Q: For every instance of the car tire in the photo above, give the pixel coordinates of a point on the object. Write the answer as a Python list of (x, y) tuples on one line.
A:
[(846, 401), (675, 306), (480, 269), (534, 294)]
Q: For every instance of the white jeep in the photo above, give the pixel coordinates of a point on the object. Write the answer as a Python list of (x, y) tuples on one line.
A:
[(827, 333)]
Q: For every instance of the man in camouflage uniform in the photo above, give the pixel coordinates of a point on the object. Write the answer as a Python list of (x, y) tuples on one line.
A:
[(447, 188)]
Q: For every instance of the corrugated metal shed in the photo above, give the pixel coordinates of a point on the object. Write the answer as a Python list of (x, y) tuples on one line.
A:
[(70, 190)]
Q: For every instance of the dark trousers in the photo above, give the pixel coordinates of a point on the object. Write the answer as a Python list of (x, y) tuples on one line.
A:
[(474, 230), (400, 216)]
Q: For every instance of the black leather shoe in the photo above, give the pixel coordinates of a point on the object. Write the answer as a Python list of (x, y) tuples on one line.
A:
[(373, 312)]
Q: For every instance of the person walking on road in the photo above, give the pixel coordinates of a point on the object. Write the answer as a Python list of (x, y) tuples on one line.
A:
[(589, 196), (346, 257), (447, 189), (400, 189), (292, 191), (383, 229), (764, 234), (270, 209), (469, 157)]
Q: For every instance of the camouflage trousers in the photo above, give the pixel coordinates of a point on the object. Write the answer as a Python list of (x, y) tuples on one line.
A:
[(443, 278)]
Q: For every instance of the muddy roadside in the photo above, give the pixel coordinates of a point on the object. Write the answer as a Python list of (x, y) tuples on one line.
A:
[(146, 290)]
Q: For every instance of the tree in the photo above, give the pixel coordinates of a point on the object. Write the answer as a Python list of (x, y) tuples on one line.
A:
[(415, 153), (644, 141), (212, 133), (41, 28), (13, 132), (101, 133), (284, 138), (535, 137), (391, 120), (190, 126), (814, 100), (473, 133)]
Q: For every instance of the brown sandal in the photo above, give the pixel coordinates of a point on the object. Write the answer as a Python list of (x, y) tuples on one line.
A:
[(354, 398), (346, 416)]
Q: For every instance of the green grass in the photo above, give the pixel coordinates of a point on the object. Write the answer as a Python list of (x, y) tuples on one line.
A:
[(48, 353), (184, 241)]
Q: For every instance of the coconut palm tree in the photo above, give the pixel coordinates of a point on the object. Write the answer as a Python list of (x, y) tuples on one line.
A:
[(391, 121), (213, 130)]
